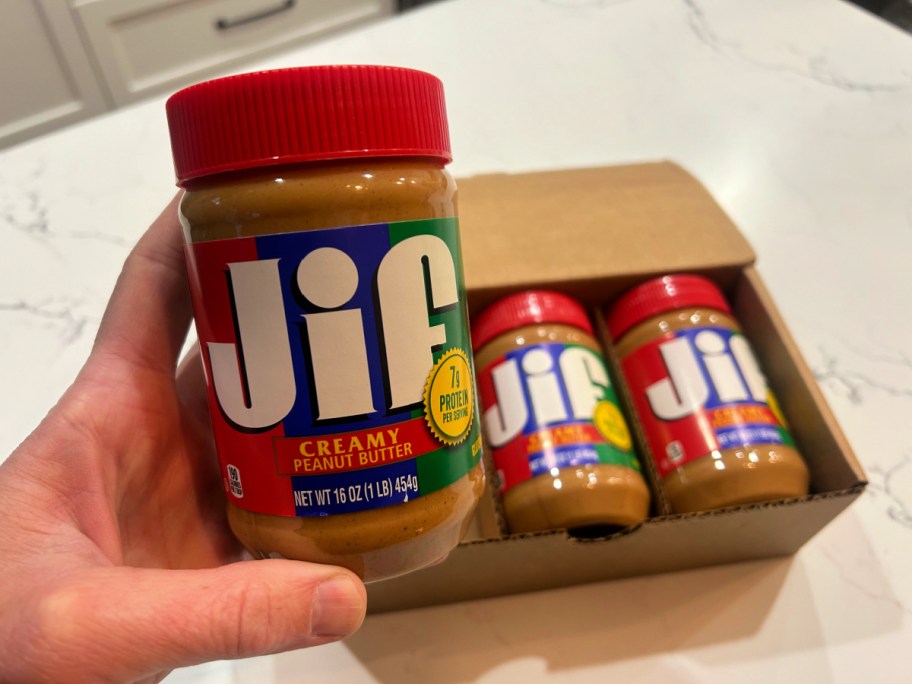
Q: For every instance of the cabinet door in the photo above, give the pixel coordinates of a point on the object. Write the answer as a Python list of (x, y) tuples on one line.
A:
[(150, 46), (45, 75)]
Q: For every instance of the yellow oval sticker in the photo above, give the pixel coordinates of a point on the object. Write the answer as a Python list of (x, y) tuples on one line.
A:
[(449, 397), (609, 421)]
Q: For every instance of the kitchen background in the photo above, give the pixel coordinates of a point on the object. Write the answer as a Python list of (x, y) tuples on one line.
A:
[(796, 116), (62, 61)]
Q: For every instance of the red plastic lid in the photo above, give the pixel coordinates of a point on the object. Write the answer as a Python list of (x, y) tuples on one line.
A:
[(526, 308), (663, 294), (306, 114)]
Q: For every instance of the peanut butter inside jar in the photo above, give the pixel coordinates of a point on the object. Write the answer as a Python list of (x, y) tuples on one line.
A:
[(577, 492), (387, 541), (326, 278), (758, 469)]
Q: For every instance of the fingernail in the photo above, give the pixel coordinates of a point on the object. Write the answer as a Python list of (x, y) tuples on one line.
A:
[(338, 607)]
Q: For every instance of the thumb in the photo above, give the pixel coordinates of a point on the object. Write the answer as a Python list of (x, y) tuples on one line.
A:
[(126, 623)]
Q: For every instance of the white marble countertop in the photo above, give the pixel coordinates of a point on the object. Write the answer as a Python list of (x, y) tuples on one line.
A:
[(796, 114)]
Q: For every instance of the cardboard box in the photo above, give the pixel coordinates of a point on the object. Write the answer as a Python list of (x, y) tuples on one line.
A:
[(592, 233)]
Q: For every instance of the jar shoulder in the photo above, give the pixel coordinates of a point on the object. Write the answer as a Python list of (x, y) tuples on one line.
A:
[(670, 321), (309, 197), (530, 335)]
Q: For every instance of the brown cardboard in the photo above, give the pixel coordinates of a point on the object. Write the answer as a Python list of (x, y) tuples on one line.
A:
[(592, 233)]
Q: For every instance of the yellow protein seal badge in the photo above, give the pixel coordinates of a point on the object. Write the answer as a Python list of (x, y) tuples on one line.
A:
[(449, 397), (610, 423)]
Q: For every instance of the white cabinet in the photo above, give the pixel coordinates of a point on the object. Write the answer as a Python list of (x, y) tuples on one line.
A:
[(46, 77), (65, 60), (148, 46)]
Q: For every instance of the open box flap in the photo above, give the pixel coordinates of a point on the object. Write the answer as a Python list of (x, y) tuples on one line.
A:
[(619, 223)]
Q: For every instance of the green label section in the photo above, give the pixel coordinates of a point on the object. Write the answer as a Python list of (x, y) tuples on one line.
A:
[(452, 377)]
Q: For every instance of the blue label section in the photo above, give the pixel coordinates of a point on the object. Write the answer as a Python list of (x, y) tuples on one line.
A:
[(720, 340), (565, 456), (365, 246), (356, 490), (740, 436), (548, 357)]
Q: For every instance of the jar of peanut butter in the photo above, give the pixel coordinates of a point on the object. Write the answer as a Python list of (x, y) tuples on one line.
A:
[(326, 276), (713, 427), (561, 447)]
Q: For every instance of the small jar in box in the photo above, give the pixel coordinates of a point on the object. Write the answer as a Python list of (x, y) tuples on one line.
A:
[(561, 447), (714, 430)]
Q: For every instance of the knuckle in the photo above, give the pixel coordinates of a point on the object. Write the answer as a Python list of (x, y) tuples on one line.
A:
[(55, 632), (258, 616), (58, 614), (242, 620)]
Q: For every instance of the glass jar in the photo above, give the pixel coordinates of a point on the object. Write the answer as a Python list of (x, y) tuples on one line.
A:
[(713, 427), (326, 277), (560, 445)]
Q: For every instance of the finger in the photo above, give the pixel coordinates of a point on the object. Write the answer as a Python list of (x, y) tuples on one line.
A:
[(191, 385), (147, 317), (121, 624), (191, 390)]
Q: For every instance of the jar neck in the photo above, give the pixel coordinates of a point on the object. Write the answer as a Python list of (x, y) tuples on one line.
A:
[(312, 197), (322, 166), (669, 321), (538, 333)]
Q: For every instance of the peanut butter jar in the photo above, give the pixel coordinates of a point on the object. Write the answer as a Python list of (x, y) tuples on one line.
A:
[(561, 447), (326, 275), (713, 428)]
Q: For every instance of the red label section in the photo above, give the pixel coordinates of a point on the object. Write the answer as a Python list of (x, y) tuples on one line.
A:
[(513, 457), (239, 452), (356, 450)]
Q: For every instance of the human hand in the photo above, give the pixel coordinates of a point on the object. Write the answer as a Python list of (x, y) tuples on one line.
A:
[(116, 561)]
